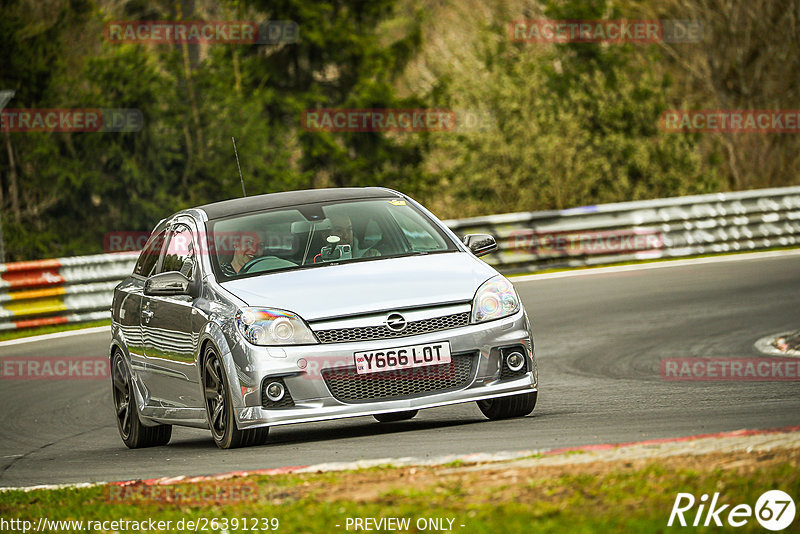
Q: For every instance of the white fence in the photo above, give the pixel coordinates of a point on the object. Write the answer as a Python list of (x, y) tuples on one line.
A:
[(662, 228)]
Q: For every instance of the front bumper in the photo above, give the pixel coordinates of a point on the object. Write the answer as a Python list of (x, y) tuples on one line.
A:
[(313, 400)]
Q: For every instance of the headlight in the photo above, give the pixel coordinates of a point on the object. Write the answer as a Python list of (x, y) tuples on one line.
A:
[(263, 326), (495, 299)]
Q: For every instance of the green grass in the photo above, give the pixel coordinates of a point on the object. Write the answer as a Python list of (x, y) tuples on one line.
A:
[(51, 329), (616, 501)]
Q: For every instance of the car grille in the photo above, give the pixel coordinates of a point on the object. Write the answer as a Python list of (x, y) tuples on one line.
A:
[(366, 333), (346, 385)]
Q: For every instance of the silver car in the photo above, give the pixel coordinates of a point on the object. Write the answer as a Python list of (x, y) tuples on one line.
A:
[(312, 305)]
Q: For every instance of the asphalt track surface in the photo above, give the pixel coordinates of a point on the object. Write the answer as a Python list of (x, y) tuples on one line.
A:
[(599, 341)]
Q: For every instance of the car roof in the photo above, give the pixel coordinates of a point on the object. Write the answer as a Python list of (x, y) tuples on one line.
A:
[(238, 206)]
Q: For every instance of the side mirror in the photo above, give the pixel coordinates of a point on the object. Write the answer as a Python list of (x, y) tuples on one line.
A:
[(167, 284), (480, 244)]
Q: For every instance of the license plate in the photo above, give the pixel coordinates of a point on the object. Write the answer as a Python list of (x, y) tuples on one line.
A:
[(374, 361)]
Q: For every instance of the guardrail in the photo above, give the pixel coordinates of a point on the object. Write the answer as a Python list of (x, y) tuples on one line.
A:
[(61, 290), (649, 229), (80, 289)]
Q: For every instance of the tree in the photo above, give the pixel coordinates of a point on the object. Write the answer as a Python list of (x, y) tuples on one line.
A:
[(574, 124)]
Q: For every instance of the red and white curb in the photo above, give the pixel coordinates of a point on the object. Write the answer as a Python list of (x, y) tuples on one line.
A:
[(738, 440), (772, 345)]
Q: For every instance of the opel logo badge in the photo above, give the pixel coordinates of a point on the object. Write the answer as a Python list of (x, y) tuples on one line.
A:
[(396, 322)]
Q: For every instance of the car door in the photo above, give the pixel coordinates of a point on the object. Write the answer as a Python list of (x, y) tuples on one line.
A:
[(171, 326), (128, 301)]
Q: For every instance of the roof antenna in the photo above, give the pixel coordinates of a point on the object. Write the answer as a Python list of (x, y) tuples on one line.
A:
[(244, 193)]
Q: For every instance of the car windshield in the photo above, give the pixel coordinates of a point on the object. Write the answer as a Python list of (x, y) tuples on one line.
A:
[(315, 235)]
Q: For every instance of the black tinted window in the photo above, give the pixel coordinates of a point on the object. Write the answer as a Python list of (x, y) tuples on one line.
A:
[(179, 254), (149, 256)]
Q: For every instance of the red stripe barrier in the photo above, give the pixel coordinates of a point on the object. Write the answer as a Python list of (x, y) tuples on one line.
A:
[(87, 283), (33, 277), (40, 321), (54, 263)]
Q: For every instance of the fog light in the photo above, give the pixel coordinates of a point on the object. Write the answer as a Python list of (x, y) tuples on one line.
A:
[(275, 391), (515, 361)]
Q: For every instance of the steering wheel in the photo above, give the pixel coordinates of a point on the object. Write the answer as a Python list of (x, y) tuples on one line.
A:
[(247, 266)]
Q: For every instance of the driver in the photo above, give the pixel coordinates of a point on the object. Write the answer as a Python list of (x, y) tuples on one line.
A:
[(244, 250)]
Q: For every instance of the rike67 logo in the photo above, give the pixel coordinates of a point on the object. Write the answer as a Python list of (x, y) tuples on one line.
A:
[(774, 510)]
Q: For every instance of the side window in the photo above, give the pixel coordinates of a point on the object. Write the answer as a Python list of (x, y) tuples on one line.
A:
[(179, 254), (146, 263)]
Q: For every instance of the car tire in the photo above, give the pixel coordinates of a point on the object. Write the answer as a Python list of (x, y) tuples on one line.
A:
[(133, 433), (507, 407), (219, 407), (395, 416)]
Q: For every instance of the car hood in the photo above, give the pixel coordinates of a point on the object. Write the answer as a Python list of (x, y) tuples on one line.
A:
[(368, 286)]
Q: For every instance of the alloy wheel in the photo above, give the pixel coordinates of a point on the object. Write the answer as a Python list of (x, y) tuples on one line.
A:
[(215, 395), (122, 396)]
